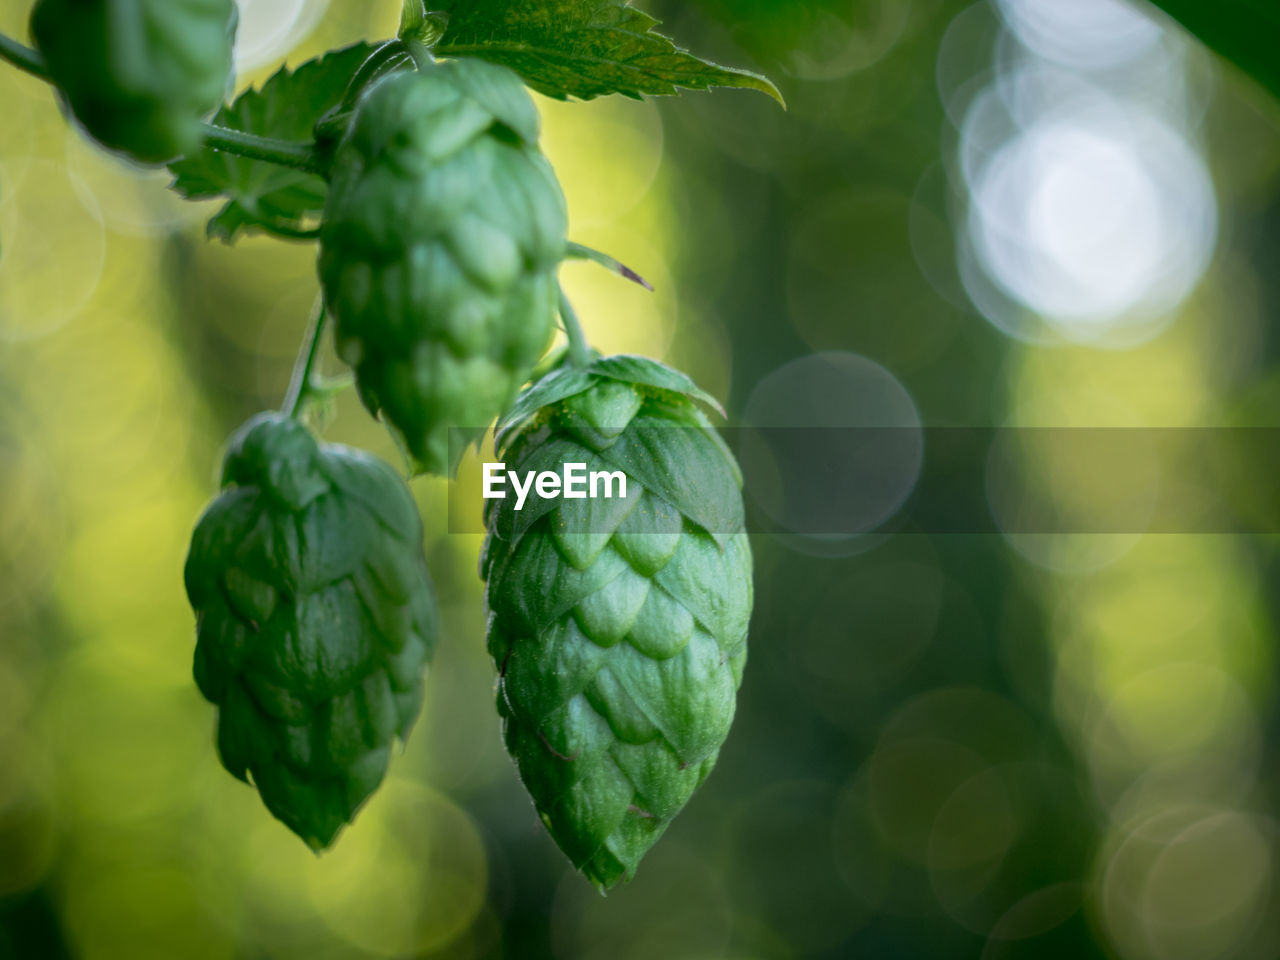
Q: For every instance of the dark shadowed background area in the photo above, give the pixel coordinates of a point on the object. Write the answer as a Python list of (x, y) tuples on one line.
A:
[(1019, 213)]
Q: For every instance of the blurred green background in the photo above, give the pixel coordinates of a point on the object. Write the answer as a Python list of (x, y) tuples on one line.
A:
[(1026, 212)]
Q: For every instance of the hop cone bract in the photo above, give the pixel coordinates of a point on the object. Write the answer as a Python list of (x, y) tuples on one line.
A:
[(618, 626), (138, 74), (442, 230), (315, 617)]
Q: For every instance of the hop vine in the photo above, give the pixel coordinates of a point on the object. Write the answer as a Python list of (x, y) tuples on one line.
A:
[(619, 638)]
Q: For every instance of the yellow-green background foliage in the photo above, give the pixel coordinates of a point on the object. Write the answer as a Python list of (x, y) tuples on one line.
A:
[(946, 746)]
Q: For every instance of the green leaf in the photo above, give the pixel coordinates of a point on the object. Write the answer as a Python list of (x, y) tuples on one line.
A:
[(556, 386), (583, 48), (685, 467), (287, 107), (650, 373), (1242, 31)]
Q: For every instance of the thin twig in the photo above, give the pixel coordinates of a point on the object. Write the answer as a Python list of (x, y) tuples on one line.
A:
[(579, 350), (23, 57), (287, 153), (578, 251), (302, 382)]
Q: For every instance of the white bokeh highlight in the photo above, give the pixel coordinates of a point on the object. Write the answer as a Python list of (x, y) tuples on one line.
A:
[(1090, 213), (269, 29), (1095, 225), (831, 488), (1085, 34)]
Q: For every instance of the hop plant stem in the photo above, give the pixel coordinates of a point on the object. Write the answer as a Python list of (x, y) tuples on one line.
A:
[(23, 57), (287, 153), (579, 350), (302, 385), (417, 32)]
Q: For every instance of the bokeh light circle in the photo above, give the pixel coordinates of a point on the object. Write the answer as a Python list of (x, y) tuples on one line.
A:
[(1033, 915), (857, 481), (866, 637), (1186, 882), (783, 869), (854, 283), (963, 64), (1189, 726), (410, 880), (53, 251), (909, 784), (33, 523), (269, 29), (676, 906), (1085, 34), (1098, 219), (1073, 501), (837, 47), (133, 200), (575, 138)]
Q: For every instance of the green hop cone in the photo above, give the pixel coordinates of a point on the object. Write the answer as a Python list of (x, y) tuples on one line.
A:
[(618, 626), (315, 618), (442, 231), (138, 74)]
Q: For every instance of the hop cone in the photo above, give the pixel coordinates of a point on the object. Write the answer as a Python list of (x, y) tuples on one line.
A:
[(442, 230), (138, 74), (315, 617), (618, 626)]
